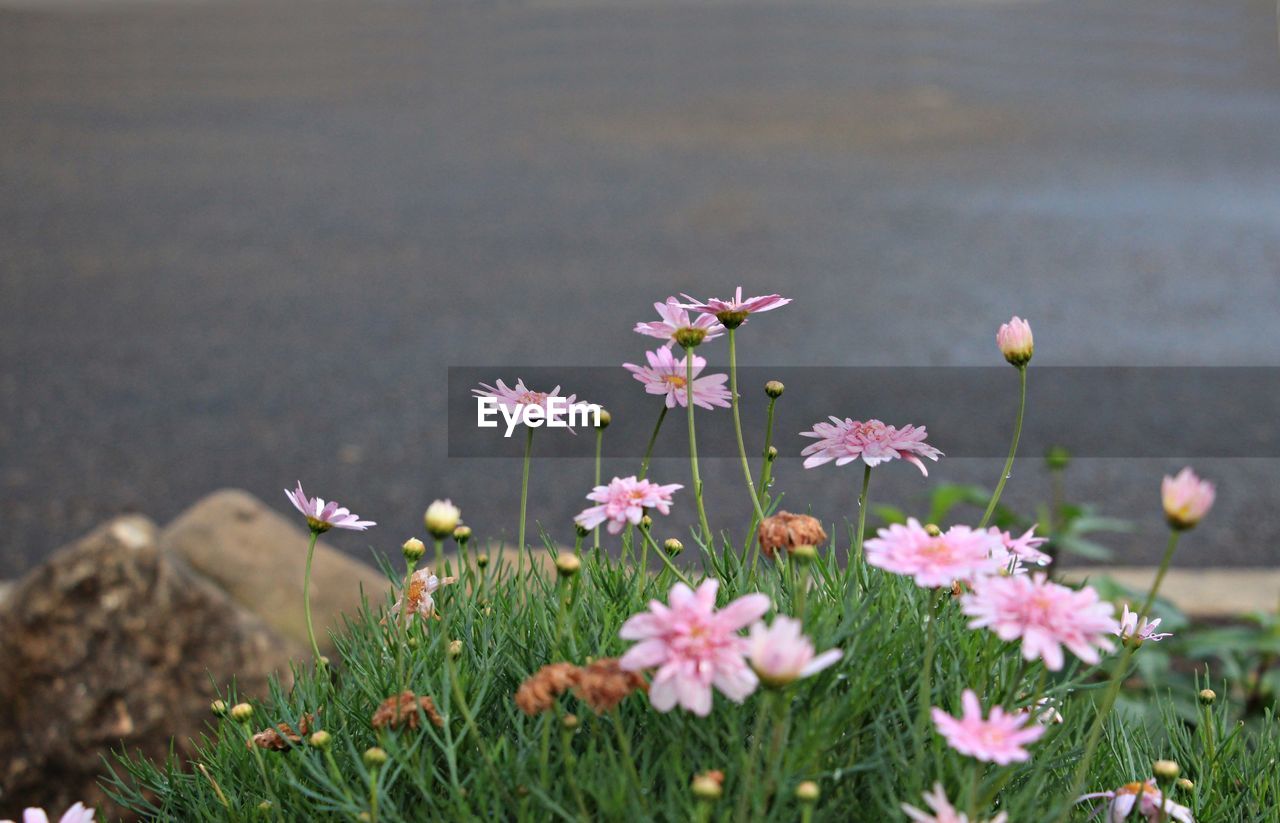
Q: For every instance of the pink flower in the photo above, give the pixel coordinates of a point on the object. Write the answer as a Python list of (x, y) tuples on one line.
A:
[(422, 584), (998, 739), (674, 317), (694, 647), (1024, 548), (667, 376), (513, 398), (1015, 341), (733, 313), (844, 441), (1144, 630), (959, 553), (322, 516), (1187, 498), (943, 811), (1047, 616), (76, 814), (624, 501), (780, 654), (1145, 797)]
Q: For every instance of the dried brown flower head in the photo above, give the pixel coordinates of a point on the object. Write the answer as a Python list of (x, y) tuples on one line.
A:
[(602, 685), (786, 531), (539, 692), (401, 710), (282, 736)]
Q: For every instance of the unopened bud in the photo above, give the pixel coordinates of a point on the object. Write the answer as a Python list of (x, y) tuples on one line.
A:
[(364, 817), (690, 336), (218, 707), (1207, 697), (1057, 458), (441, 518), (807, 792), (1165, 769), (605, 419), (455, 648), (522, 790), (672, 546), (241, 712), (570, 721), (1185, 784), (805, 553), (413, 549), (581, 530), (411, 641), (462, 534), (1016, 342), (932, 530), (708, 785), (321, 739), (264, 806), (375, 757), (482, 560), (774, 388), (771, 453), (568, 564), (646, 523)]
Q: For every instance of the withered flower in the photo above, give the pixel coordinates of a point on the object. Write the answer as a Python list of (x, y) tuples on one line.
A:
[(539, 692), (282, 736), (787, 531), (602, 685), (401, 710)]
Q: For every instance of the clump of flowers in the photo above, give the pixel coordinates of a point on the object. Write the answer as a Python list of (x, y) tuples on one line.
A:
[(998, 738), (402, 711), (624, 500), (785, 531), (847, 440)]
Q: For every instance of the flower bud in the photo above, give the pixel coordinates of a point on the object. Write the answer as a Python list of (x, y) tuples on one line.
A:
[(605, 419), (482, 560), (646, 523), (241, 712), (364, 817), (1207, 697), (413, 549), (455, 648), (264, 806), (218, 707), (672, 546), (807, 792), (321, 739), (1185, 784), (771, 453), (462, 534), (581, 530), (570, 721), (805, 553), (1015, 341), (568, 564), (522, 791), (375, 757), (1057, 458), (689, 336), (774, 388), (708, 785), (441, 518), (1186, 498), (932, 530), (1165, 769)]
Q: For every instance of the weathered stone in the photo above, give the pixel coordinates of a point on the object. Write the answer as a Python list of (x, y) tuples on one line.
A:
[(258, 556), (111, 643)]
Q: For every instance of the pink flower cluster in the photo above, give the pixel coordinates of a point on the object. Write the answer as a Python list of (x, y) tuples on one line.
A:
[(847, 440), (623, 501)]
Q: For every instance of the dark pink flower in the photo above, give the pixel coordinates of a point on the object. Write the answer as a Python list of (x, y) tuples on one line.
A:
[(667, 376), (844, 441)]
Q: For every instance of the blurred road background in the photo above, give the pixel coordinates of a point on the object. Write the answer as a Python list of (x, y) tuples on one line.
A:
[(241, 242)]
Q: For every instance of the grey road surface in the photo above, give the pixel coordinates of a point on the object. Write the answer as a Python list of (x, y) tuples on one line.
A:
[(241, 242)]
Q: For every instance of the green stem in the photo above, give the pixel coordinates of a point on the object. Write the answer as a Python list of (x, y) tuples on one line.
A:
[(926, 677), (595, 544), (624, 743), (401, 633), (1013, 447), (693, 447), (737, 427), (751, 757), (667, 560), (860, 535), (653, 438), (777, 743), (524, 484), (765, 474), (306, 599)]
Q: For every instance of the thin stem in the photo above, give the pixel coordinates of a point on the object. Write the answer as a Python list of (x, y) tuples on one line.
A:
[(926, 677), (624, 743), (306, 598), (401, 633), (595, 544), (860, 535), (693, 446), (667, 560), (653, 438), (524, 484), (751, 757), (737, 426), (777, 742), (765, 474), (1013, 447)]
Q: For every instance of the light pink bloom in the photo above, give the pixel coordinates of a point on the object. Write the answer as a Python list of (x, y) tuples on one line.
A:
[(675, 317), (1144, 630), (694, 647), (734, 312), (1026, 548), (322, 516), (514, 398), (1047, 616), (997, 739), (1015, 341), (76, 814), (1187, 498), (667, 376), (943, 811), (422, 584), (1044, 711), (844, 441), (781, 653), (959, 553), (1145, 797), (624, 501)]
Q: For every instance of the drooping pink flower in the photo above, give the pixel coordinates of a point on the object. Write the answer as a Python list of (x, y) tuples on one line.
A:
[(1145, 797), (1015, 341), (781, 653), (997, 739), (1045, 615), (624, 500), (694, 647), (1187, 498), (733, 313), (667, 376), (76, 814), (943, 811), (1144, 629), (322, 516), (844, 441), (673, 318), (1025, 548), (959, 553), (422, 584)]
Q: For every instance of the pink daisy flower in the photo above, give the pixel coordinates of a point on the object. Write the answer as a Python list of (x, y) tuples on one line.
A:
[(997, 739), (1025, 548), (1187, 498), (667, 376), (943, 811), (1045, 615), (322, 516), (76, 814), (1144, 630), (673, 318), (959, 553), (1016, 342), (624, 501), (844, 441), (733, 313), (1145, 798), (693, 647), (781, 653)]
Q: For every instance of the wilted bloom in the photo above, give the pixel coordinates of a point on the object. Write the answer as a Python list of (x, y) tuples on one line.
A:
[(674, 319), (441, 518), (781, 653), (844, 441), (603, 684), (322, 516), (943, 811), (283, 736), (624, 501), (667, 376), (1187, 498), (401, 710), (1143, 797), (788, 532), (934, 560), (733, 313), (999, 738), (1144, 629), (1015, 341), (693, 646), (1047, 616), (422, 584), (76, 814), (1026, 548)]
